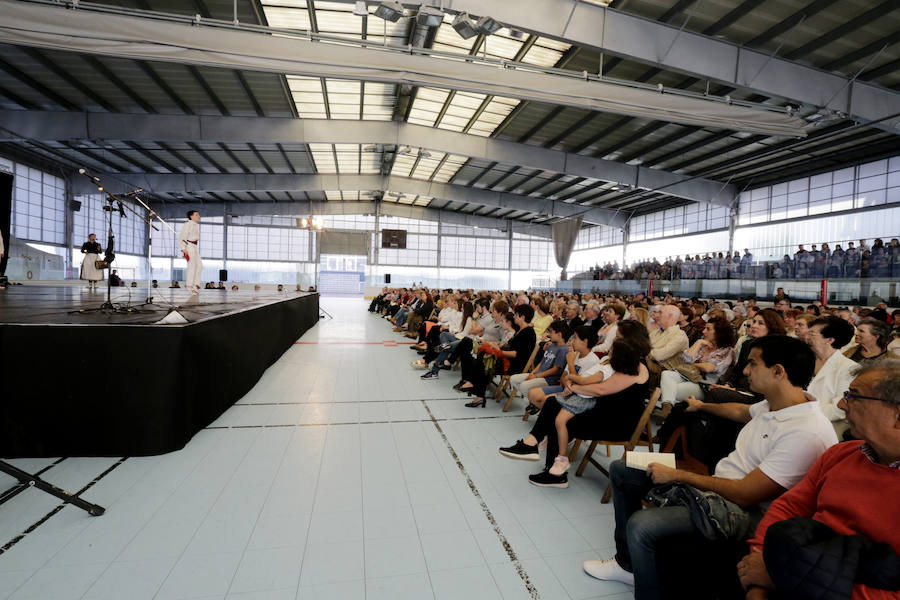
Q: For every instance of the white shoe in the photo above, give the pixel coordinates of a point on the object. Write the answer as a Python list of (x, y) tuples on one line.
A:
[(560, 465), (608, 570)]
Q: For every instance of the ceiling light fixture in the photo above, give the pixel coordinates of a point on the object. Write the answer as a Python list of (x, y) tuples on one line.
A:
[(389, 11), (464, 26), (360, 9), (488, 25), (424, 154), (370, 148), (404, 150), (429, 16)]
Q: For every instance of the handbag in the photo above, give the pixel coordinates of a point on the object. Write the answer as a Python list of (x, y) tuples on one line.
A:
[(101, 264)]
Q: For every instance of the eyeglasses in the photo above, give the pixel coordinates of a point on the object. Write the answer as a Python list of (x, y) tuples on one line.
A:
[(848, 396)]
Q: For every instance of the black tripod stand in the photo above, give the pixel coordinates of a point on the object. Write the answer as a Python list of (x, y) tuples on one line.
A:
[(27, 479), (113, 204)]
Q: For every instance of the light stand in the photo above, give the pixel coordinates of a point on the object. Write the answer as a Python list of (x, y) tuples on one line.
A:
[(151, 214), (34, 481)]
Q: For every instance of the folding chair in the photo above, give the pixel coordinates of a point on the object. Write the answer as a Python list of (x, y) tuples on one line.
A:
[(640, 437), (505, 383), (687, 462)]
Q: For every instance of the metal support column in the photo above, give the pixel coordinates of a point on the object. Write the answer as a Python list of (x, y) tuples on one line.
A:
[(69, 228), (226, 221), (440, 233), (509, 232)]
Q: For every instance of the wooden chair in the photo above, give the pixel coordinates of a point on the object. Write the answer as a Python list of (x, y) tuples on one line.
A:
[(505, 383), (640, 437), (687, 462)]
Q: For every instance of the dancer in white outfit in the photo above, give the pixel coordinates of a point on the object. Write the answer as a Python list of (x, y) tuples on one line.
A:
[(189, 242)]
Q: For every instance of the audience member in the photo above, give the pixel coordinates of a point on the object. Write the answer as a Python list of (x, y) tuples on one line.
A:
[(834, 371), (839, 528), (783, 436)]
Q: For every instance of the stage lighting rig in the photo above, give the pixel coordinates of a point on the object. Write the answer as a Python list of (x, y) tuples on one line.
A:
[(488, 25), (429, 17), (464, 26), (389, 11)]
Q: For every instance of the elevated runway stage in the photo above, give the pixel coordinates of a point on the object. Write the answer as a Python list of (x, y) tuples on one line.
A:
[(96, 383)]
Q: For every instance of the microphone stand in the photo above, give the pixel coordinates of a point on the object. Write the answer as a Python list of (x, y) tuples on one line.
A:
[(112, 199), (151, 214)]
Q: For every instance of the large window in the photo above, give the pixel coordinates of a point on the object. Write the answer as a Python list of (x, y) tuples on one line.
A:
[(268, 243), (864, 186), (476, 253), (39, 201)]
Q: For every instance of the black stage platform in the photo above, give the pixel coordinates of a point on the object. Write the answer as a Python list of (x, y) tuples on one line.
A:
[(100, 384)]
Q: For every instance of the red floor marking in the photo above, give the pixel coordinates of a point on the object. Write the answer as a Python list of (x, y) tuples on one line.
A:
[(387, 343)]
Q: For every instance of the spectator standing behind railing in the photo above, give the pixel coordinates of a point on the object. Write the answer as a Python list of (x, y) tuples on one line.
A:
[(851, 262)]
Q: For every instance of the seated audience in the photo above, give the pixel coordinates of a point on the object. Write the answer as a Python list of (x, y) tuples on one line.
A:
[(516, 353), (668, 342), (838, 530), (783, 436), (711, 356), (612, 313), (580, 362), (801, 326), (618, 408), (234, 288), (734, 386), (871, 342), (550, 369), (834, 371), (542, 318)]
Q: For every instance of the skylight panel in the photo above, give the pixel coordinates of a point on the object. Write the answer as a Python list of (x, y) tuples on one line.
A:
[(403, 164), (343, 98), (453, 164), (287, 18), (493, 115), (427, 166), (307, 95), (323, 156)]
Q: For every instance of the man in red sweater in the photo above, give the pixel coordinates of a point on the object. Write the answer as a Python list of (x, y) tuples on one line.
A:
[(852, 489)]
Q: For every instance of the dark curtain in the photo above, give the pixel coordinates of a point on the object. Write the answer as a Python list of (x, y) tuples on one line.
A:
[(6, 188)]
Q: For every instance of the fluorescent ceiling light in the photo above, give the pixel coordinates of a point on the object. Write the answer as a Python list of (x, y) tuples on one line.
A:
[(360, 9), (429, 17), (488, 25), (464, 26), (424, 154), (389, 11)]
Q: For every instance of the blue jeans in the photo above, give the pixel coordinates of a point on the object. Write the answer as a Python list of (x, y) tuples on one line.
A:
[(401, 316), (445, 354), (638, 531)]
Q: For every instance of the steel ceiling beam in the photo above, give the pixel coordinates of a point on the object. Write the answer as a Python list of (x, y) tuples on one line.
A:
[(50, 125), (176, 39), (194, 183), (177, 210), (666, 46)]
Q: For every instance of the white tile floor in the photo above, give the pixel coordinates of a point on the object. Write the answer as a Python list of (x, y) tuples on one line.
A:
[(329, 479)]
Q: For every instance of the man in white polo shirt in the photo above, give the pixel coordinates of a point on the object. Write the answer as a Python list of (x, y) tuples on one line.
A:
[(783, 436)]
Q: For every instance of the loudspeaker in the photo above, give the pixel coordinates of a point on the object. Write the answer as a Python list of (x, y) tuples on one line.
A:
[(387, 277), (75, 205), (223, 274)]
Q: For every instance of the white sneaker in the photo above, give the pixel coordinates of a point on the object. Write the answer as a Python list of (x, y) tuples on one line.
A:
[(608, 570)]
